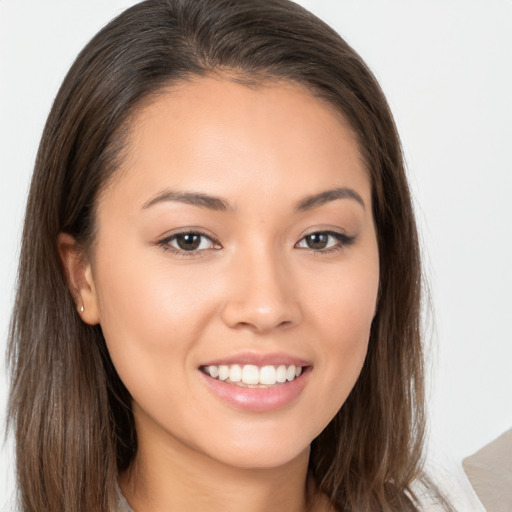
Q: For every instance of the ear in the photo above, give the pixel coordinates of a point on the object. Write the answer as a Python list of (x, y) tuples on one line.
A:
[(79, 277)]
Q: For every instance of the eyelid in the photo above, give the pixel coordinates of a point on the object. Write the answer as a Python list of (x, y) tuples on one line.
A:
[(344, 240), (164, 241)]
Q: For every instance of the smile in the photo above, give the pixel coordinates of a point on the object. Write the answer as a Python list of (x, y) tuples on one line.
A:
[(256, 387), (250, 375)]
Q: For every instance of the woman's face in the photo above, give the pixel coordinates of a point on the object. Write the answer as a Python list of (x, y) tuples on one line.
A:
[(236, 242)]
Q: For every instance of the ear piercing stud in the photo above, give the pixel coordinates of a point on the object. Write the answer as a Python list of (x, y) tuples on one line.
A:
[(82, 309)]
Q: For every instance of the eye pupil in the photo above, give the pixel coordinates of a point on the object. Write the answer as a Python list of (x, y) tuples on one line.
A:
[(188, 242), (317, 240)]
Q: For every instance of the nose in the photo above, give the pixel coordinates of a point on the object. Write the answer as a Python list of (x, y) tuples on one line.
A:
[(262, 294)]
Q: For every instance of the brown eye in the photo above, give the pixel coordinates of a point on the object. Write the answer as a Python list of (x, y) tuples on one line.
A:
[(317, 241), (325, 241), (188, 242)]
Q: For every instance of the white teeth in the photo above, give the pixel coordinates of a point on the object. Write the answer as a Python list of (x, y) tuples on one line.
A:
[(268, 375), (253, 375), (281, 373), (235, 373), (223, 372), (250, 374)]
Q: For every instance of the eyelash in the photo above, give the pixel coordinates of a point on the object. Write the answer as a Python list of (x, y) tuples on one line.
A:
[(165, 244), (342, 239)]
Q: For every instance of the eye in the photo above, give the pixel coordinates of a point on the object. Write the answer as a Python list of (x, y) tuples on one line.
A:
[(188, 242), (325, 241)]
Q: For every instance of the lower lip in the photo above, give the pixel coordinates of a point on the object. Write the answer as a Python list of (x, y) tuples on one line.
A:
[(258, 399)]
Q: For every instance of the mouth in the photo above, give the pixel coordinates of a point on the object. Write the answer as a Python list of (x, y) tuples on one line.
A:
[(253, 376), (257, 382)]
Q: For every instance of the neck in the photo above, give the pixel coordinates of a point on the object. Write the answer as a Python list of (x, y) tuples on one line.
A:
[(171, 476)]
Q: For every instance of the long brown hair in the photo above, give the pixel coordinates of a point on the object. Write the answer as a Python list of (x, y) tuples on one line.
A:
[(71, 413)]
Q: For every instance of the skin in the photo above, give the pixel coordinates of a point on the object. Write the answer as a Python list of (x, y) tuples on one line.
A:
[(255, 287)]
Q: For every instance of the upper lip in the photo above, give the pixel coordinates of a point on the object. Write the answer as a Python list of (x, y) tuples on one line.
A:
[(257, 359)]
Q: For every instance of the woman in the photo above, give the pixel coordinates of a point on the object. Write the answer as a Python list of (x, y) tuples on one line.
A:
[(219, 287)]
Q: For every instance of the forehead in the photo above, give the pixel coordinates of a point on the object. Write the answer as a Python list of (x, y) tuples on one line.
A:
[(219, 135)]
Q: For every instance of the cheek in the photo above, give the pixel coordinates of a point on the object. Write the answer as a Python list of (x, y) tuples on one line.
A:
[(148, 315), (141, 294), (343, 301), (150, 320), (343, 311)]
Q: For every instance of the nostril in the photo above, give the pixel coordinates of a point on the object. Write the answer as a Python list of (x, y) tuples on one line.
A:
[(260, 312), (262, 327)]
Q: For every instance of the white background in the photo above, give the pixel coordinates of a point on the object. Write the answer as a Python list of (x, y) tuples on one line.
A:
[(446, 67)]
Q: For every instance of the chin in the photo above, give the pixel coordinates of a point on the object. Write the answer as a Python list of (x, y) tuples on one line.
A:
[(266, 457), (259, 448)]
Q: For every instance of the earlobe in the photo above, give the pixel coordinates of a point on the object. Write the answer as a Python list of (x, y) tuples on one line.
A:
[(79, 277)]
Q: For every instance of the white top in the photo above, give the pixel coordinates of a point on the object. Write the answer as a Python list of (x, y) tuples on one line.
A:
[(122, 504)]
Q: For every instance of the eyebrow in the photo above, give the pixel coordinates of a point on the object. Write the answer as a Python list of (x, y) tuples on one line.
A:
[(192, 198), (317, 200), (218, 204)]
